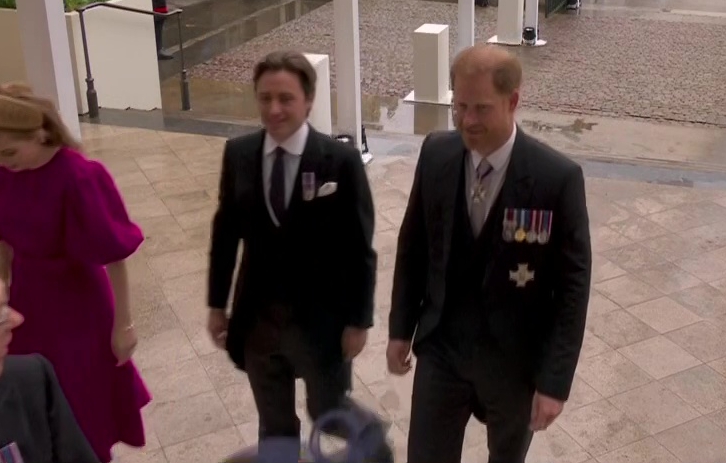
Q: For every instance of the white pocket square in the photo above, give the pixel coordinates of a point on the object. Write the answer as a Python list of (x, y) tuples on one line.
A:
[(327, 189)]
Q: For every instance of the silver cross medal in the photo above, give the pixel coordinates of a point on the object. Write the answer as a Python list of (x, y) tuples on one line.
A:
[(479, 193), (522, 275)]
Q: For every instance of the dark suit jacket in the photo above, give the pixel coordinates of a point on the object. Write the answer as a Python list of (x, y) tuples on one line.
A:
[(542, 324), (35, 415), (330, 264)]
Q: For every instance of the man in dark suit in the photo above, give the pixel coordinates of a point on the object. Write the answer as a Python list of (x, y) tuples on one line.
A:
[(36, 422), (492, 274), (301, 204)]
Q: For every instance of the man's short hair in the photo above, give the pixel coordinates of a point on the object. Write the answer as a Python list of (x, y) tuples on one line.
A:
[(291, 61), (504, 68)]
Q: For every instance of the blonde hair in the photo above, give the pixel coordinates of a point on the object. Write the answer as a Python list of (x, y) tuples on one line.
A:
[(23, 114)]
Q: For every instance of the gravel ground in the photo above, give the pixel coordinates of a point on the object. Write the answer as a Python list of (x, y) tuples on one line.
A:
[(606, 65)]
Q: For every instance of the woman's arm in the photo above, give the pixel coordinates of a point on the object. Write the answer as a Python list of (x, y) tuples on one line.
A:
[(118, 275), (6, 258)]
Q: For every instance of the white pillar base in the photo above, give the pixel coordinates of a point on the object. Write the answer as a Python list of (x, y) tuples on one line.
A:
[(430, 65), (321, 114), (495, 41), (445, 101), (44, 37), (512, 19)]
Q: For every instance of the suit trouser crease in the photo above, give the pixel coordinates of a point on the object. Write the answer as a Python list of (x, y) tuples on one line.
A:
[(449, 388), (272, 372)]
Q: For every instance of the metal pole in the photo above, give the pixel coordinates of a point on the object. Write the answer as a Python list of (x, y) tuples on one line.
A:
[(183, 78), (91, 95)]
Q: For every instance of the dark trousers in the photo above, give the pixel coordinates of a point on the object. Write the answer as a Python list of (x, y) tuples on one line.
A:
[(449, 387), (276, 352)]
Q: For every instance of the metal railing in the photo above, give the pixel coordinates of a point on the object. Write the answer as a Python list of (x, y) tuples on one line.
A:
[(91, 94), (553, 6)]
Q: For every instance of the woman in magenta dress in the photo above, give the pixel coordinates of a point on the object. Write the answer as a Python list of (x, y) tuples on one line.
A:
[(64, 237)]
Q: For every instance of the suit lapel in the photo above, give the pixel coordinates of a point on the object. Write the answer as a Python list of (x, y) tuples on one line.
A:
[(450, 178), (516, 193), (251, 168), (311, 161)]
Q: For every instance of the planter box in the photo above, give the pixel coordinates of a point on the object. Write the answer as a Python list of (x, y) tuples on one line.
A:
[(122, 51)]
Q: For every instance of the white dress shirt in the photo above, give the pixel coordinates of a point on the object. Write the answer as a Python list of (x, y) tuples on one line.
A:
[(294, 147), (499, 160)]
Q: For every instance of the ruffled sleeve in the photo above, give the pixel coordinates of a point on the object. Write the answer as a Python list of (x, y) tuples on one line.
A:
[(98, 228)]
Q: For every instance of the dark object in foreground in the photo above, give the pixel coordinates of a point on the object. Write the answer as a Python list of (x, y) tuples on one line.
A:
[(366, 442), (30, 395)]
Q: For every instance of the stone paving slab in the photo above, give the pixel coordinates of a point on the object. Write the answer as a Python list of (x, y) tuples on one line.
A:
[(666, 68), (651, 384)]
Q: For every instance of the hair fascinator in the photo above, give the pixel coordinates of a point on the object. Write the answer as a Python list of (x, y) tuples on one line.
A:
[(19, 109)]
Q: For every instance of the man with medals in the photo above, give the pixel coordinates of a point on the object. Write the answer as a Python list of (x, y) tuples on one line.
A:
[(493, 302)]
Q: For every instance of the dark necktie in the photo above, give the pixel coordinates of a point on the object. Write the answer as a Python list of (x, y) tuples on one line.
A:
[(277, 184), (478, 212)]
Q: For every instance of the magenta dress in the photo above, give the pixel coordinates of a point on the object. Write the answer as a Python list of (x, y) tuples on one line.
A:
[(65, 221)]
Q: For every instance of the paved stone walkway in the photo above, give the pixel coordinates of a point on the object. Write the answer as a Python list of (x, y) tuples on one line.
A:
[(620, 61), (651, 385)]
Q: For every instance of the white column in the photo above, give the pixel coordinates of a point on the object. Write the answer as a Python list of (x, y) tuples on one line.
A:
[(430, 65), (466, 24), (44, 36), (321, 113), (510, 19), (347, 68)]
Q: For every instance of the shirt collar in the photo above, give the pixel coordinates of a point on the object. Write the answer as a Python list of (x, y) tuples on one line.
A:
[(499, 157), (294, 145)]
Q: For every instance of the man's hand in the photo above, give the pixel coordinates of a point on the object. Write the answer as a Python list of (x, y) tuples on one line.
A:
[(398, 355), (544, 411), (217, 323), (353, 341)]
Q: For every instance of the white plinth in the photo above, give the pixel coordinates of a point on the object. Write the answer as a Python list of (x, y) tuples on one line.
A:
[(347, 68), (412, 98), (430, 118), (466, 24), (430, 65), (510, 22), (44, 38), (531, 19), (321, 113)]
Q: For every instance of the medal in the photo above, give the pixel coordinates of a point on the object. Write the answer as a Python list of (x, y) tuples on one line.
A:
[(308, 186), (532, 233), (522, 275), (508, 234), (508, 225), (543, 237), (520, 234), (478, 193), (545, 228)]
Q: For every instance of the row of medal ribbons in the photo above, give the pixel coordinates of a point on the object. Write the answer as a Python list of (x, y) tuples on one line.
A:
[(527, 225)]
